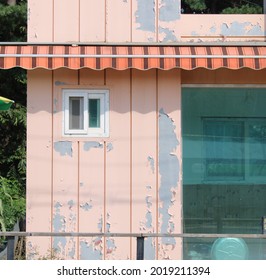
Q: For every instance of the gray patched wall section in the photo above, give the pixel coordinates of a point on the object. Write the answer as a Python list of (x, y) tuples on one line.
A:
[(89, 252), (169, 10), (241, 29), (64, 148), (92, 144), (145, 15), (169, 35), (168, 170)]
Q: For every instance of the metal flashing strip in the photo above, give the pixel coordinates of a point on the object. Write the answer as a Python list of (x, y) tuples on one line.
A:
[(118, 57)]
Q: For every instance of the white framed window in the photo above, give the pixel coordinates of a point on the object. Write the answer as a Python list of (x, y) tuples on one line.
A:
[(86, 112)]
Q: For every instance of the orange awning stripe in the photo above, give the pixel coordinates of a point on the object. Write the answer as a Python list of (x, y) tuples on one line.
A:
[(101, 57)]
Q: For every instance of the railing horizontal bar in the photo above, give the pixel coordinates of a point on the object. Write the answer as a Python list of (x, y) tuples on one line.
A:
[(94, 234)]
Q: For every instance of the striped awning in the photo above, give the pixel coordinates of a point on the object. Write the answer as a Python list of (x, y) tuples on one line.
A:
[(146, 57)]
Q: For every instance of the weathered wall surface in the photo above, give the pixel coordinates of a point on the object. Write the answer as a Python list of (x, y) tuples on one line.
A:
[(132, 21), (127, 183)]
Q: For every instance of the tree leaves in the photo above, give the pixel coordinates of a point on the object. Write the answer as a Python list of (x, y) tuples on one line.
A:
[(223, 7), (13, 22)]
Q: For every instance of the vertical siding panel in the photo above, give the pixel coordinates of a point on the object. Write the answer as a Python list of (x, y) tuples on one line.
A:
[(118, 18), (91, 189), (92, 20), (40, 21), (91, 198), (144, 21), (39, 159), (144, 165), (65, 174), (170, 158), (118, 165), (66, 21)]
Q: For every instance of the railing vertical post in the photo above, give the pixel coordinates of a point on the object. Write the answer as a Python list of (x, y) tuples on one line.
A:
[(140, 248), (10, 247)]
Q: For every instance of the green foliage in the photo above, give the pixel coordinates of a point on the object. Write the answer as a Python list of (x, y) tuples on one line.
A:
[(12, 149), (198, 5), (245, 9), (12, 203), (13, 22), (222, 7)]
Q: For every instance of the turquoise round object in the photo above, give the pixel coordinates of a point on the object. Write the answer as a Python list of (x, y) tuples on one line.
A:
[(229, 249)]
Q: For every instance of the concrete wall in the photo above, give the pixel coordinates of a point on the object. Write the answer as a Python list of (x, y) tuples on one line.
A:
[(124, 21)]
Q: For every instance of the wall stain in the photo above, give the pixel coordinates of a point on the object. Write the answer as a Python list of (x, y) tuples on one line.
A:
[(145, 15), (70, 204), (169, 170), (64, 148), (59, 83), (55, 105)]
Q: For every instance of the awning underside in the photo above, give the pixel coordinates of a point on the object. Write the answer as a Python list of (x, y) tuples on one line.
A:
[(131, 56)]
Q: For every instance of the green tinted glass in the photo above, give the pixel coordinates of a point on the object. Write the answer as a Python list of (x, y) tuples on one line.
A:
[(94, 113), (224, 168)]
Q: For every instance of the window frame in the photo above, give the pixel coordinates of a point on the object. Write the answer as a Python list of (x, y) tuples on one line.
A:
[(87, 94), (247, 177)]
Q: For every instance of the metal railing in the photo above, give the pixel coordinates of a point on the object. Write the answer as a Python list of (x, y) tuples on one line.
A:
[(139, 236)]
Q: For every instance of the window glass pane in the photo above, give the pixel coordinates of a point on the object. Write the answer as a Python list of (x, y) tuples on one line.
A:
[(224, 149), (76, 120), (224, 159), (257, 148), (94, 113)]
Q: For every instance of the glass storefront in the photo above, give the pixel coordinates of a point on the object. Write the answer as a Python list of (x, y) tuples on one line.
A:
[(224, 170)]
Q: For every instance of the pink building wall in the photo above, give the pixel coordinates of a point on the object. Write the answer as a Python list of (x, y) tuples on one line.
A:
[(134, 21), (124, 183), (114, 184)]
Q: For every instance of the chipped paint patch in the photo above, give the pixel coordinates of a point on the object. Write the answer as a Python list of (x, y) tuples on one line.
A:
[(89, 252), (86, 206), (151, 162), (64, 148), (241, 29), (92, 144), (110, 242), (147, 226), (109, 147), (100, 224), (169, 10), (31, 251), (59, 221), (169, 170), (145, 15), (213, 29), (149, 249), (169, 35)]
